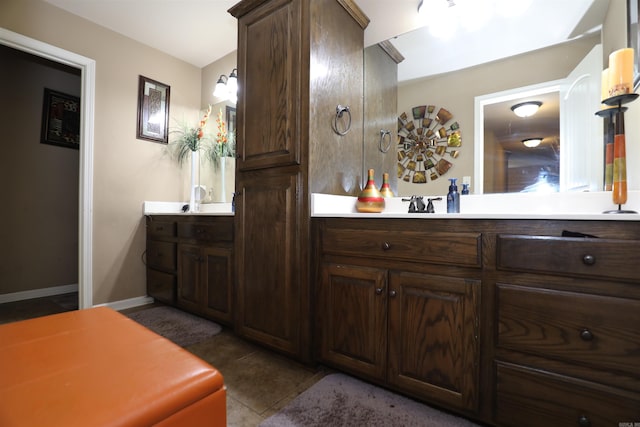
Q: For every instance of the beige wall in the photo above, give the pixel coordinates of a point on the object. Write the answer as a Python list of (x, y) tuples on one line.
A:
[(127, 171)]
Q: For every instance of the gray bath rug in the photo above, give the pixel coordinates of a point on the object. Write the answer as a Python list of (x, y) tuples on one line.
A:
[(176, 325), (340, 400)]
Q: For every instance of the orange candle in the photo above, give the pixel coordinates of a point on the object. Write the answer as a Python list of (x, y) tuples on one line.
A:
[(621, 72)]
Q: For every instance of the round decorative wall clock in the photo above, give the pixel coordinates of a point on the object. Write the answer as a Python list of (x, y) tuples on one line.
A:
[(427, 144)]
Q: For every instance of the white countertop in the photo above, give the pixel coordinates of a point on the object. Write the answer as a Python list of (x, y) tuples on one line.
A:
[(563, 206), (175, 208)]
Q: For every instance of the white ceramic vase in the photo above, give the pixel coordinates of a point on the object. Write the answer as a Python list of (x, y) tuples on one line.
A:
[(193, 189)]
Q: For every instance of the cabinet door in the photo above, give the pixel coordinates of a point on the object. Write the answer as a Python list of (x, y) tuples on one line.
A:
[(433, 345), (270, 261), (217, 280), (352, 313), (189, 261), (269, 39)]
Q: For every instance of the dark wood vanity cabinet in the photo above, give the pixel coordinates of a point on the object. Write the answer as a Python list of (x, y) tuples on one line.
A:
[(396, 311), (192, 268), (568, 329), (503, 321)]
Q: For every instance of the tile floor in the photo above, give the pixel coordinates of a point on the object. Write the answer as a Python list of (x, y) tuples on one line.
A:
[(259, 382)]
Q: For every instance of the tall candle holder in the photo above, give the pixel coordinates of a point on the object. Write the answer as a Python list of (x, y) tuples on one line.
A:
[(619, 161), (609, 135)]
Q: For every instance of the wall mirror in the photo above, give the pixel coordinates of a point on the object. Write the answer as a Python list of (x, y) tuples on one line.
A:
[(582, 19)]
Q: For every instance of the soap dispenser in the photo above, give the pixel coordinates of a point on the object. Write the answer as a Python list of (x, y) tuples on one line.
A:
[(453, 197)]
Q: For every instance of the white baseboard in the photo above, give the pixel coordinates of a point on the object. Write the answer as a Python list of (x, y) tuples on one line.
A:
[(38, 293), (128, 303)]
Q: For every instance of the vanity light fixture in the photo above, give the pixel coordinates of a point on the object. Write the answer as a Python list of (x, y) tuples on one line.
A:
[(227, 87), (532, 142), (526, 109)]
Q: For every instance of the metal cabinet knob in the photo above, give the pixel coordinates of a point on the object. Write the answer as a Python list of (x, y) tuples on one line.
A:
[(586, 335), (589, 259), (386, 246), (378, 291), (583, 421), (392, 294)]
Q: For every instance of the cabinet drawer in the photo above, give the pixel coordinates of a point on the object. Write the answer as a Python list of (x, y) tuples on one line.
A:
[(614, 259), (434, 247), (161, 228), (536, 398), (161, 286), (595, 331), (208, 232), (161, 255)]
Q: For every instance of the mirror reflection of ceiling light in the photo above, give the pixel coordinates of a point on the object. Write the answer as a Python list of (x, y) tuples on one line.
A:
[(526, 109), (531, 142)]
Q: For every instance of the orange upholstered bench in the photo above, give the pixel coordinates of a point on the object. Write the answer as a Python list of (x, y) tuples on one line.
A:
[(96, 367)]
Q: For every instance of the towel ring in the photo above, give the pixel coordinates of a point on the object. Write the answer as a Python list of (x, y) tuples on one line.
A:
[(381, 145), (340, 110)]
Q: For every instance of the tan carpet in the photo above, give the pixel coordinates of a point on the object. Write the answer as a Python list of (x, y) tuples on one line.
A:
[(340, 400), (176, 325)]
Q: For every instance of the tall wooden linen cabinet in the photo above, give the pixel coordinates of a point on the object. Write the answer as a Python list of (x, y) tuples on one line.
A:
[(298, 61)]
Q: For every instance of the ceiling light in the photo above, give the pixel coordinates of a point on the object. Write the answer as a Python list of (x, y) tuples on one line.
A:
[(531, 142), (526, 109)]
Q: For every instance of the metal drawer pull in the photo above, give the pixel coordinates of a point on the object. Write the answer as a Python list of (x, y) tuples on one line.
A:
[(583, 421), (589, 259), (586, 335), (386, 246)]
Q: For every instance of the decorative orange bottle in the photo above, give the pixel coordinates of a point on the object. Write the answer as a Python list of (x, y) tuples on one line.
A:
[(385, 190), (370, 200)]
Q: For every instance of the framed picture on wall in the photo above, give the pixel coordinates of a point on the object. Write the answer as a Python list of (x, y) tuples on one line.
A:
[(153, 110), (60, 119), (633, 37)]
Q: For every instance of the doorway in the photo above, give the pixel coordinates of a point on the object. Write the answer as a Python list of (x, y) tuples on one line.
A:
[(85, 190)]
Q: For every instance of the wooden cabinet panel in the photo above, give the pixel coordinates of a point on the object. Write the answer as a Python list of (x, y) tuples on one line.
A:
[(161, 255), (592, 330), (218, 275), (270, 250), (463, 249), (433, 337), (189, 277), (269, 41), (605, 258), (532, 398), (354, 318), (206, 232), (159, 229), (161, 259), (161, 286)]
